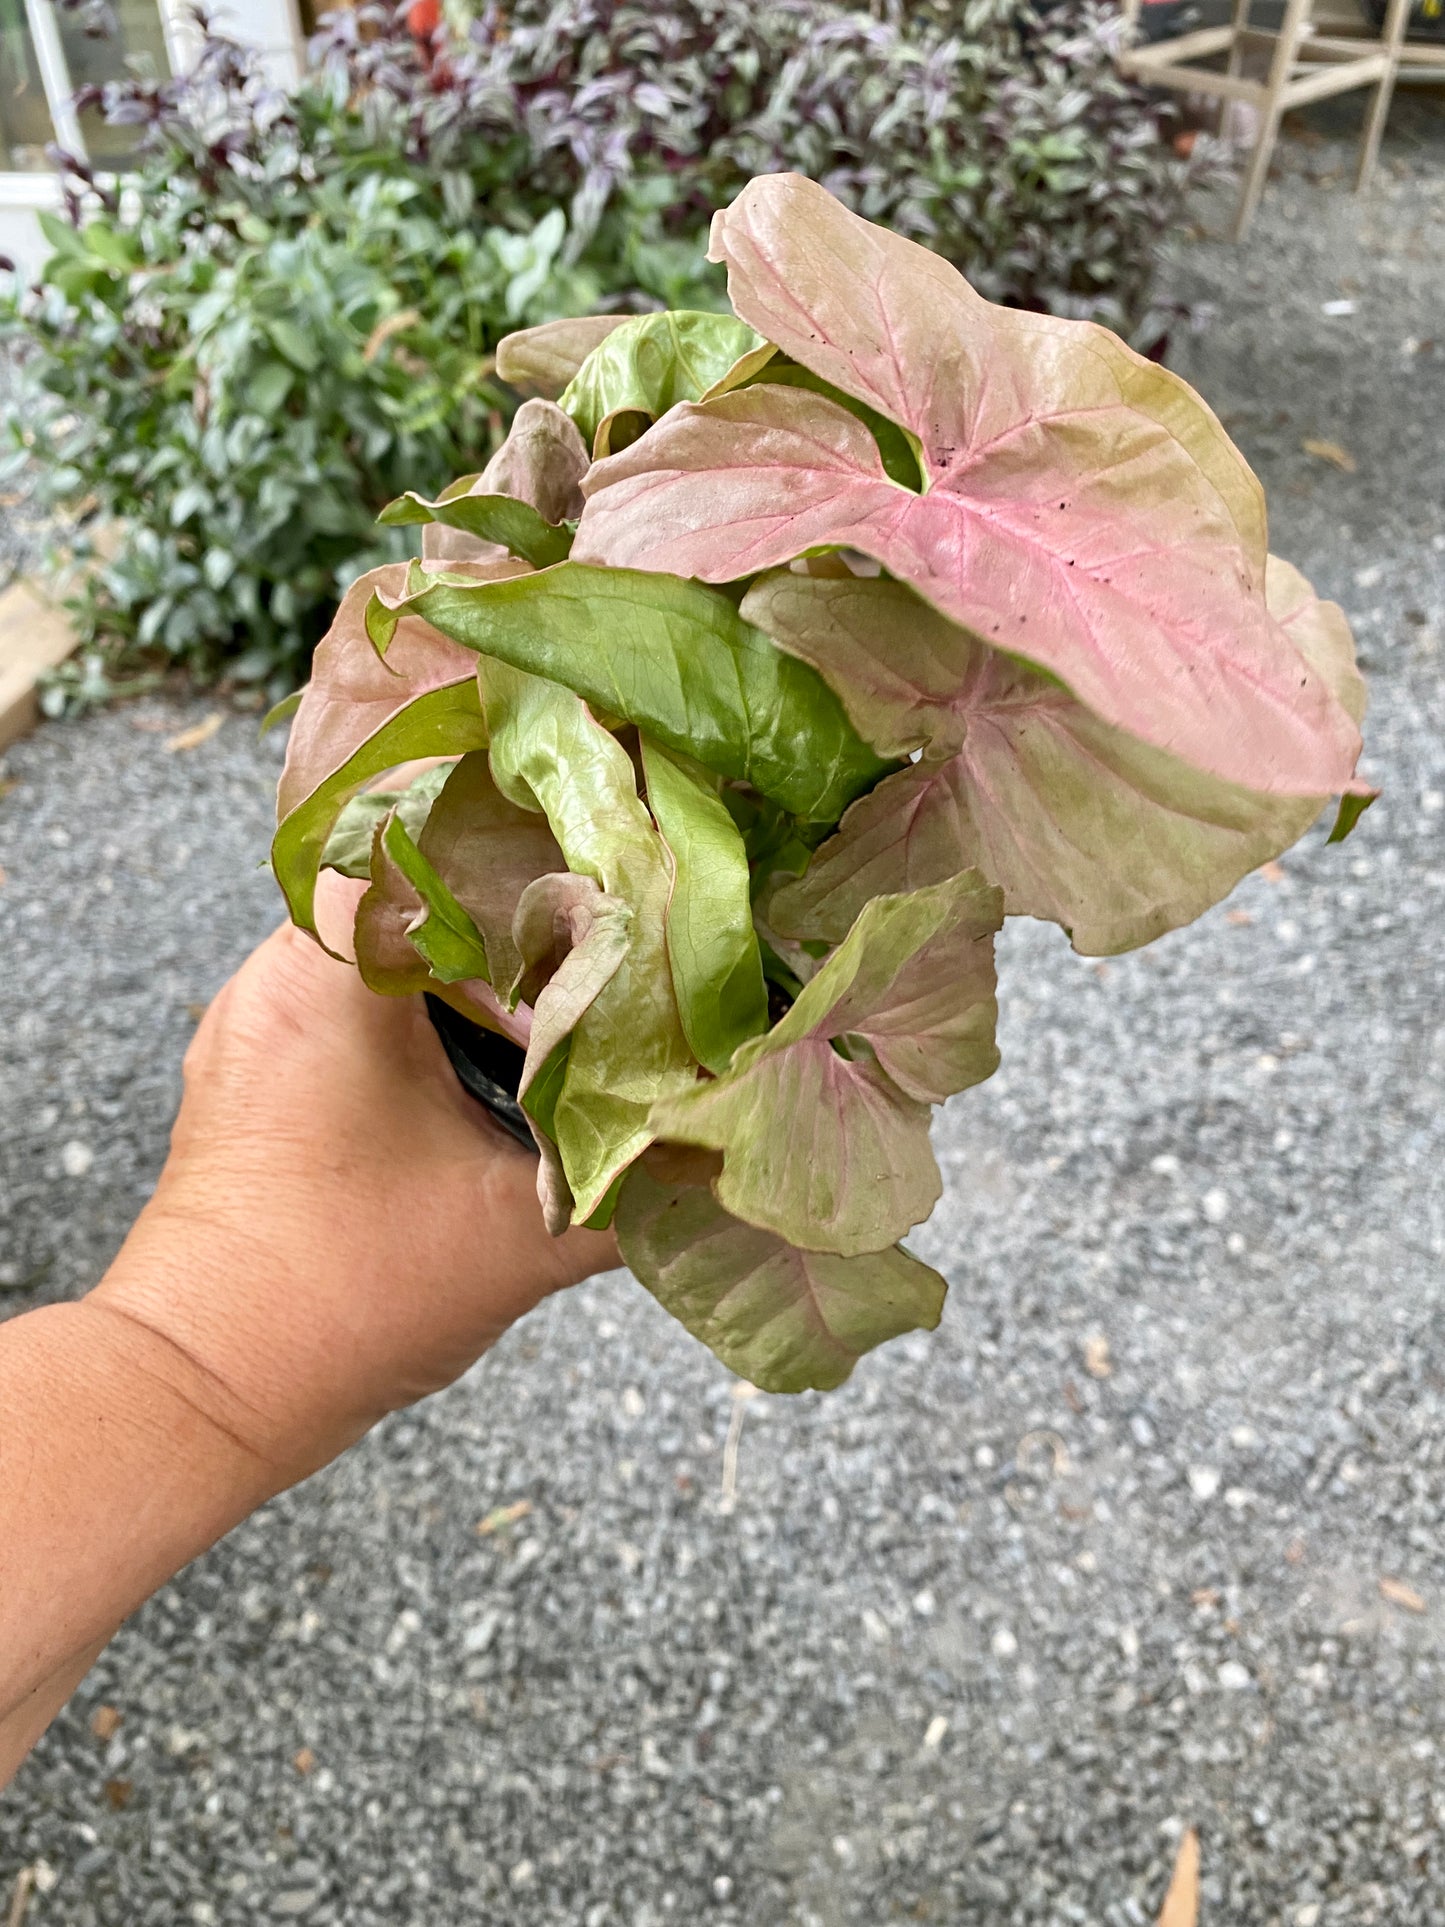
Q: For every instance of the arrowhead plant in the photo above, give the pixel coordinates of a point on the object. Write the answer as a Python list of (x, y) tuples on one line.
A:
[(773, 662)]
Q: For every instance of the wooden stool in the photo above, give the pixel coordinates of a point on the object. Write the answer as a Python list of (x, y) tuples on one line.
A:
[(1304, 66)]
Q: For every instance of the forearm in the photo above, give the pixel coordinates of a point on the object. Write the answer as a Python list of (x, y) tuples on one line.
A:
[(115, 1471), (21, 1729)]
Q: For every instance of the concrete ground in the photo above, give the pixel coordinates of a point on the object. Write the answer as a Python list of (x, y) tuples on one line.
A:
[(1148, 1535)]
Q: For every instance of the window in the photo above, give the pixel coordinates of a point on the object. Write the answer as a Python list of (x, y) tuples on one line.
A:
[(45, 55), (25, 123)]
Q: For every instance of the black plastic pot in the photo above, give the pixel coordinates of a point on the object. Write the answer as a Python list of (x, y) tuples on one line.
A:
[(488, 1067)]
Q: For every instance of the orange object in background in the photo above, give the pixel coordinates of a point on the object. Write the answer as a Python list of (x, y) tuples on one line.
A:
[(423, 18)]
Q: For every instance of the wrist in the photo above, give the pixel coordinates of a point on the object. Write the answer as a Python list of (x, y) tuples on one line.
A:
[(221, 1315), (114, 1473)]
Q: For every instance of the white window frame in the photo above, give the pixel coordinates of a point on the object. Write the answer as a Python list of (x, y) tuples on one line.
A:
[(272, 26)]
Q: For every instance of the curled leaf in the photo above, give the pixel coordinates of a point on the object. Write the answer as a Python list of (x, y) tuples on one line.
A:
[(442, 932), (571, 938), (441, 722), (628, 1048), (652, 362), (542, 360), (488, 849), (556, 915), (786, 1320), (717, 971), (348, 848), (360, 716), (520, 502), (823, 1122)]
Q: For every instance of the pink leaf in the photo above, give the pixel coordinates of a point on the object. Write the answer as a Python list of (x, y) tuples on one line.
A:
[(352, 692), (1076, 821), (1082, 509)]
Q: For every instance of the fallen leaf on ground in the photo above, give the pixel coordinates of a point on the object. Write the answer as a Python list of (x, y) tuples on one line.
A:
[(1181, 1903), (20, 1897), (196, 1012), (199, 733), (1329, 452), (1272, 872), (1399, 1594), (503, 1515), (8, 783), (119, 1793), (104, 1722), (1294, 1552), (304, 1761), (1238, 917), (1097, 1362)]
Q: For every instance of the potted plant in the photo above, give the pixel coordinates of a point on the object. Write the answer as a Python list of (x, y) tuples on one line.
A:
[(774, 660)]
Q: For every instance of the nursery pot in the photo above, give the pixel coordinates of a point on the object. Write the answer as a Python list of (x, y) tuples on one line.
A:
[(488, 1067)]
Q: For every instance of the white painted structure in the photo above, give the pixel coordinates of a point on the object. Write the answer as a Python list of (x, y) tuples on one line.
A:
[(45, 56)]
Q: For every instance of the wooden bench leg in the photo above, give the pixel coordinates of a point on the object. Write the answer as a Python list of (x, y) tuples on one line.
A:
[(1379, 112), (1296, 16)]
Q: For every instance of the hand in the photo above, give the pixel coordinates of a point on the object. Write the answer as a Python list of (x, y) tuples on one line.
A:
[(339, 1229)]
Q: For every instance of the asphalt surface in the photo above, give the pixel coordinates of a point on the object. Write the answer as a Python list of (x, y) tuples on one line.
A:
[(982, 1632)]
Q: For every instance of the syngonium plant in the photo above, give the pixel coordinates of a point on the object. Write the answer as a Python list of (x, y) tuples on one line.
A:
[(774, 660)]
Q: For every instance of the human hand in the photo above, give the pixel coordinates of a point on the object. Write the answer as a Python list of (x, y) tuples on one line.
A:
[(339, 1228)]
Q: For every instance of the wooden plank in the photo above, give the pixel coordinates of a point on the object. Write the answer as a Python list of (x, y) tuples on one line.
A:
[(1203, 80), (35, 635), (1185, 46), (1334, 80)]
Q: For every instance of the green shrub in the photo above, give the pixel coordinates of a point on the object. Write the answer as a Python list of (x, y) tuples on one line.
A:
[(289, 318), (241, 365)]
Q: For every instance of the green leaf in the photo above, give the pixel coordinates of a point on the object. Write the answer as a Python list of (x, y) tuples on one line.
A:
[(788, 1320), (348, 848), (492, 518), (115, 248), (292, 341), (442, 722), (1352, 807), (444, 934), (674, 658), (652, 362), (823, 1123), (268, 387), (281, 712), (628, 1049), (717, 971)]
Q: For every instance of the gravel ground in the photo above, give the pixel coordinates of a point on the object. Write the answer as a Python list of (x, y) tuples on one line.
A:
[(983, 1631)]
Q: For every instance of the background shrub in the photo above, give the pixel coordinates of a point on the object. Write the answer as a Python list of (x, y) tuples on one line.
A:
[(290, 316)]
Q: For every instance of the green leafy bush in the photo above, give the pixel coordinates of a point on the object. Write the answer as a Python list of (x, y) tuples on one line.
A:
[(759, 676), (290, 317), (246, 355)]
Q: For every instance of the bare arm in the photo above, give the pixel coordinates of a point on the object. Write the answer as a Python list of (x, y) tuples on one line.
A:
[(337, 1232)]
